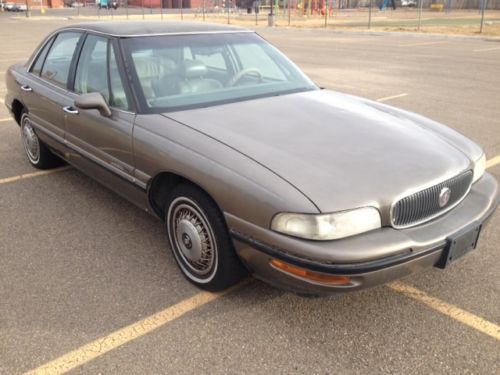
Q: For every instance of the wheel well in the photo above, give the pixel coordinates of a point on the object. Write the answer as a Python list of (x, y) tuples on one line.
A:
[(161, 185), (17, 109)]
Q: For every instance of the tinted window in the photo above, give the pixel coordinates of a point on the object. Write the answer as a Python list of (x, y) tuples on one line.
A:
[(190, 71), (37, 67), (58, 61), (92, 72)]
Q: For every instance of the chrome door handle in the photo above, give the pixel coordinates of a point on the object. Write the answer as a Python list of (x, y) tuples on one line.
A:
[(26, 88), (69, 109)]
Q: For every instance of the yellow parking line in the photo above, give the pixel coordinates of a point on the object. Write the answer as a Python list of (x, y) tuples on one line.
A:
[(1, 100), (448, 309), (391, 97), (6, 119), (124, 335), (30, 175), (493, 161), (420, 44), (486, 49)]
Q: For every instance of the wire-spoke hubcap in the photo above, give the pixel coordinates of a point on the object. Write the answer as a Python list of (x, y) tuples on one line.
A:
[(30, 141), (192, 238)]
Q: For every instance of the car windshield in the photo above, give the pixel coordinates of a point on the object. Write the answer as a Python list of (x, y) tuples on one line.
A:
[(176, 72)]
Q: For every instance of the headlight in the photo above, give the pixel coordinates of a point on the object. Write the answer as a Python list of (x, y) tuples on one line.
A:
[(479, 168), (327, 226)]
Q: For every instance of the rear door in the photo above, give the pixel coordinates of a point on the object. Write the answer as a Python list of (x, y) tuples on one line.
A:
[(46, 94)]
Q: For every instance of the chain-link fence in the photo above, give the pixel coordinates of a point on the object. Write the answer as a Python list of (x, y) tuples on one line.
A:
[(450, 16)]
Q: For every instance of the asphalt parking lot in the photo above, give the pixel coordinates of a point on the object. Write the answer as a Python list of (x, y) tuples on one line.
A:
[(81, 268)]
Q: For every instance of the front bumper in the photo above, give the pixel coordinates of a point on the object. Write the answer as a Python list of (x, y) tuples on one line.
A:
[(369, 259)]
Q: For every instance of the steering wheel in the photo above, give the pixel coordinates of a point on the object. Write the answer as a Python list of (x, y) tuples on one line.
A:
[(242, 73)]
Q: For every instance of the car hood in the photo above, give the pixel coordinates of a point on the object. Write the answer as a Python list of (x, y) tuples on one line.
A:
[(340, 151)]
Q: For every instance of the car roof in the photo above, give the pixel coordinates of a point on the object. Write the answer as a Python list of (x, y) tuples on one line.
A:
[(148, 28)]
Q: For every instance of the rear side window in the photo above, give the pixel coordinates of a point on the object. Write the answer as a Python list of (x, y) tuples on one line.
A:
[(37, 67), (58, 61)]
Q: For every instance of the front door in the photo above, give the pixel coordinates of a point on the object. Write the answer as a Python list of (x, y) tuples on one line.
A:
[(106, 141), (102, 145)]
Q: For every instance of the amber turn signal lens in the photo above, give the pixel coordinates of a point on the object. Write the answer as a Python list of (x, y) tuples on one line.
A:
[(310, 275)]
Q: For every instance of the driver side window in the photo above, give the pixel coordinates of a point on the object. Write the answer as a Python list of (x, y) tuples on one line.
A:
[(92, 72), (98, 71)]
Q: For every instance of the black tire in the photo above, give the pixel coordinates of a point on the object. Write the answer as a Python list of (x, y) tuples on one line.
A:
[(37, 153), (199, 239)]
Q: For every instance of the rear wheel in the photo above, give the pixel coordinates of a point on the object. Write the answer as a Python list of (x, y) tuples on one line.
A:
[(199, 239), (38, 154)]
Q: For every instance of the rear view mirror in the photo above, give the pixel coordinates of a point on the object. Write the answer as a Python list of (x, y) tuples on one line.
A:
[(93, 100)]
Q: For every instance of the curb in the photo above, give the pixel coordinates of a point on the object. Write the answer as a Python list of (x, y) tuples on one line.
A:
[(416, 35)]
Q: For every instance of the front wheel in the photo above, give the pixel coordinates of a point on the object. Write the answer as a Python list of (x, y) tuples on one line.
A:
[(38, 154), (200, 241)]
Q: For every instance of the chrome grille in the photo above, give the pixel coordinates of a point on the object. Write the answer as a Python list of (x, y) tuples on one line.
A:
[(424, 205)]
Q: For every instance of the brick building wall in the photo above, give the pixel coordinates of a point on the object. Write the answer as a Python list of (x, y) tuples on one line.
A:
[(36, 4), (176, 4)]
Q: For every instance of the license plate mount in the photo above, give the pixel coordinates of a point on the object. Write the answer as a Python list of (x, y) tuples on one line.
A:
[(459, 244)]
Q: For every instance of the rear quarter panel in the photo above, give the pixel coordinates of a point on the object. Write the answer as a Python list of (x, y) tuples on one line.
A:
[(13, 77)]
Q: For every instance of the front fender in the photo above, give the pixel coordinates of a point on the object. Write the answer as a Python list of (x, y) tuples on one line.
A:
[(238, 184)]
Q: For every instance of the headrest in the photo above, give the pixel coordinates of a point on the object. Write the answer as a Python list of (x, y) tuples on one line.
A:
[(194, 69)]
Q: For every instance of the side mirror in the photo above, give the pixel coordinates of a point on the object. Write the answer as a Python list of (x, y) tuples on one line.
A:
[(93, 100)]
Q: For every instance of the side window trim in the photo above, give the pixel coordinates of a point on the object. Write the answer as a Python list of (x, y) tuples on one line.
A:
[(120, 61), (75, 61), (135, 85), (108, 69)]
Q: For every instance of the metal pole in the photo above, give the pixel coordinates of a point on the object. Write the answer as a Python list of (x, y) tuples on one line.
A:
[(326, 13), (204, 10), (126, 8), (420, 5), (482, 15), (27, 9), (150, 6), (228, 4), (182, 10), (161, 8), (289, 11), (370, 15), (270, 17), (142, 6)]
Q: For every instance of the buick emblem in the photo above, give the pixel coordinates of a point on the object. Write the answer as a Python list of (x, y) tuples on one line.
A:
[(444, 196)]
